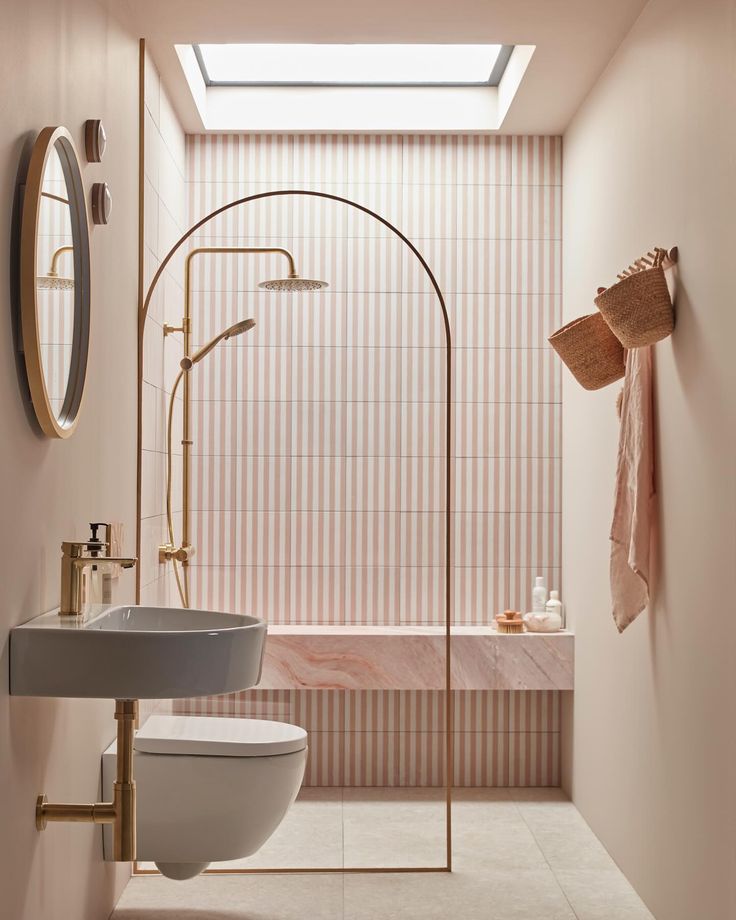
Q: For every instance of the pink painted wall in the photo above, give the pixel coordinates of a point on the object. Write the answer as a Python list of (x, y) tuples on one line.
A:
[(63, 63), (318, 456), (651, 764)]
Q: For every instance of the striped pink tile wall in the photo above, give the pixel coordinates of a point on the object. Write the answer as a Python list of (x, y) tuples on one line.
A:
[(397, 738), (318, 464), (165, 214), (319, 435)]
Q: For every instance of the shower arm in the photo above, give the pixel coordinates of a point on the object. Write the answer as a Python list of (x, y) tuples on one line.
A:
[(185, 551), (219, 250), (54, 269)]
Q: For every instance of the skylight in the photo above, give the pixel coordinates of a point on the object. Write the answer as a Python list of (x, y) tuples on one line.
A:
[(352, 65)]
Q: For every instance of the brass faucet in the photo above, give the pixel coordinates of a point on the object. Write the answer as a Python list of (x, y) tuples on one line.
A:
[(73, 563)]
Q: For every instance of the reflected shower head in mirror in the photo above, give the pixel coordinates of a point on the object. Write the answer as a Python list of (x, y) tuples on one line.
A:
[(238, 328), (52, 281), (293, 284)]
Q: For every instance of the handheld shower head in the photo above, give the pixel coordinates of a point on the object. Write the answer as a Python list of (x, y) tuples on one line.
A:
[(238, 328), (293, 284)]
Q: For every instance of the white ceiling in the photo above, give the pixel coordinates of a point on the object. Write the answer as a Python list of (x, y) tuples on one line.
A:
[(575, 39)]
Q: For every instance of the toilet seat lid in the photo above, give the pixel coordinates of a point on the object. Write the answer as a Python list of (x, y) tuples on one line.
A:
[(218, 737)]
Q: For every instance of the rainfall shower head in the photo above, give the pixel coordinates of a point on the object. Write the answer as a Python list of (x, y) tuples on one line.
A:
[(54, 283), (293, 284), (238, 328)]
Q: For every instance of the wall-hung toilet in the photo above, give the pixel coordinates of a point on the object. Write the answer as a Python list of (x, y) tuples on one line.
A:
[(209, 789)]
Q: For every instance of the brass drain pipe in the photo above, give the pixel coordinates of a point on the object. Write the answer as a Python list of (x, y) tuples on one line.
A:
[(121, 811)]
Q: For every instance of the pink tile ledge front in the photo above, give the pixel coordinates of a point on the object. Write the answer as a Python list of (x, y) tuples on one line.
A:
[(413, 658)]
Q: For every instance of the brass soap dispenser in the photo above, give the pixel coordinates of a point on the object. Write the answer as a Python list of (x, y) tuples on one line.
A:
[(97, 586)]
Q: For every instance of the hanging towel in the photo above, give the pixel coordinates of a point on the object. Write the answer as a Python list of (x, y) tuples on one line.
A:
[(633, 514)]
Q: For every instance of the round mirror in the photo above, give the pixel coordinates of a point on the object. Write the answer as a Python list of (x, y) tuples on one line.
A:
[(54, 282)]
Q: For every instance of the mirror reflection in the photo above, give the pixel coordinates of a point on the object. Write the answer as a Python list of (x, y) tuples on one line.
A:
[(55, 297)]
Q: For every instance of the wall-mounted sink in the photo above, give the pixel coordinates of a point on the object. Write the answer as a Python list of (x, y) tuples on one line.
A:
[(133, 652)]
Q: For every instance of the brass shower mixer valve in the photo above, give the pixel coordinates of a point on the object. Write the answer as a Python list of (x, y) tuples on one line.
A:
[(167, 552)]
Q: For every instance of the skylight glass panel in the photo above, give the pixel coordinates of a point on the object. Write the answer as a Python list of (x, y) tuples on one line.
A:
[(350, 65)]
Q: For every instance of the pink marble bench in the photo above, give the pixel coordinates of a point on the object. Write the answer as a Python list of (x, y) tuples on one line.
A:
[(413, 658)]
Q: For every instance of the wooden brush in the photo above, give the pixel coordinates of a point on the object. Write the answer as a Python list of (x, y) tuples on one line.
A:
[(510, 622)]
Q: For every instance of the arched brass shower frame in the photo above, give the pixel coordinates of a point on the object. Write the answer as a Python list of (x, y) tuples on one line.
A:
[(143, 313)]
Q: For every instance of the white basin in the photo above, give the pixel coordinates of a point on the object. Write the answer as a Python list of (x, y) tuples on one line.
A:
[(133, 652)]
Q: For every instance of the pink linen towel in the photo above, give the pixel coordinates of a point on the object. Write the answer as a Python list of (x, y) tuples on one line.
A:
[(633, 515)]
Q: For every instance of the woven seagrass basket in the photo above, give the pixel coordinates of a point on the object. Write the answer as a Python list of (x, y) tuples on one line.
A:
[(638, 308), (591, 351)]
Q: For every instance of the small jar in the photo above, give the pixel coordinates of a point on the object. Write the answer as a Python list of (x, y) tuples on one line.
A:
[(543, 621), (554, 606)]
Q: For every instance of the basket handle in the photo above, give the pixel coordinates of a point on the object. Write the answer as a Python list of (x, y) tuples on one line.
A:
[(656, 258)]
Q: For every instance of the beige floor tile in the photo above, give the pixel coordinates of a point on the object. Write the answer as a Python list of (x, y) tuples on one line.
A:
[(310, 836), (489, 833), (602, 895), (394, 827), (456, 896), (561, 832), (519, 854), (233, 897)]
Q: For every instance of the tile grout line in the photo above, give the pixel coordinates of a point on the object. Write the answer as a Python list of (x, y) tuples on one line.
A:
[(549, 865)]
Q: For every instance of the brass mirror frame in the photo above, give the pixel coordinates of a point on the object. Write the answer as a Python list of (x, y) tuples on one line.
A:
[(60, 140)]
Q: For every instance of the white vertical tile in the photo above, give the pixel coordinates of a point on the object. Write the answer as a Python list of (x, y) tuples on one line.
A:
[(372, 538)]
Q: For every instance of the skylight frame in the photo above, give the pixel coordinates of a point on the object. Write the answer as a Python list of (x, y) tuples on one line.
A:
[(493, 81)]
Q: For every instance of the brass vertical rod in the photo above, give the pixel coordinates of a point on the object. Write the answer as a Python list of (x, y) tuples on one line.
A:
[(186, 420), (124, 793), (142, 309), (449, 735)]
